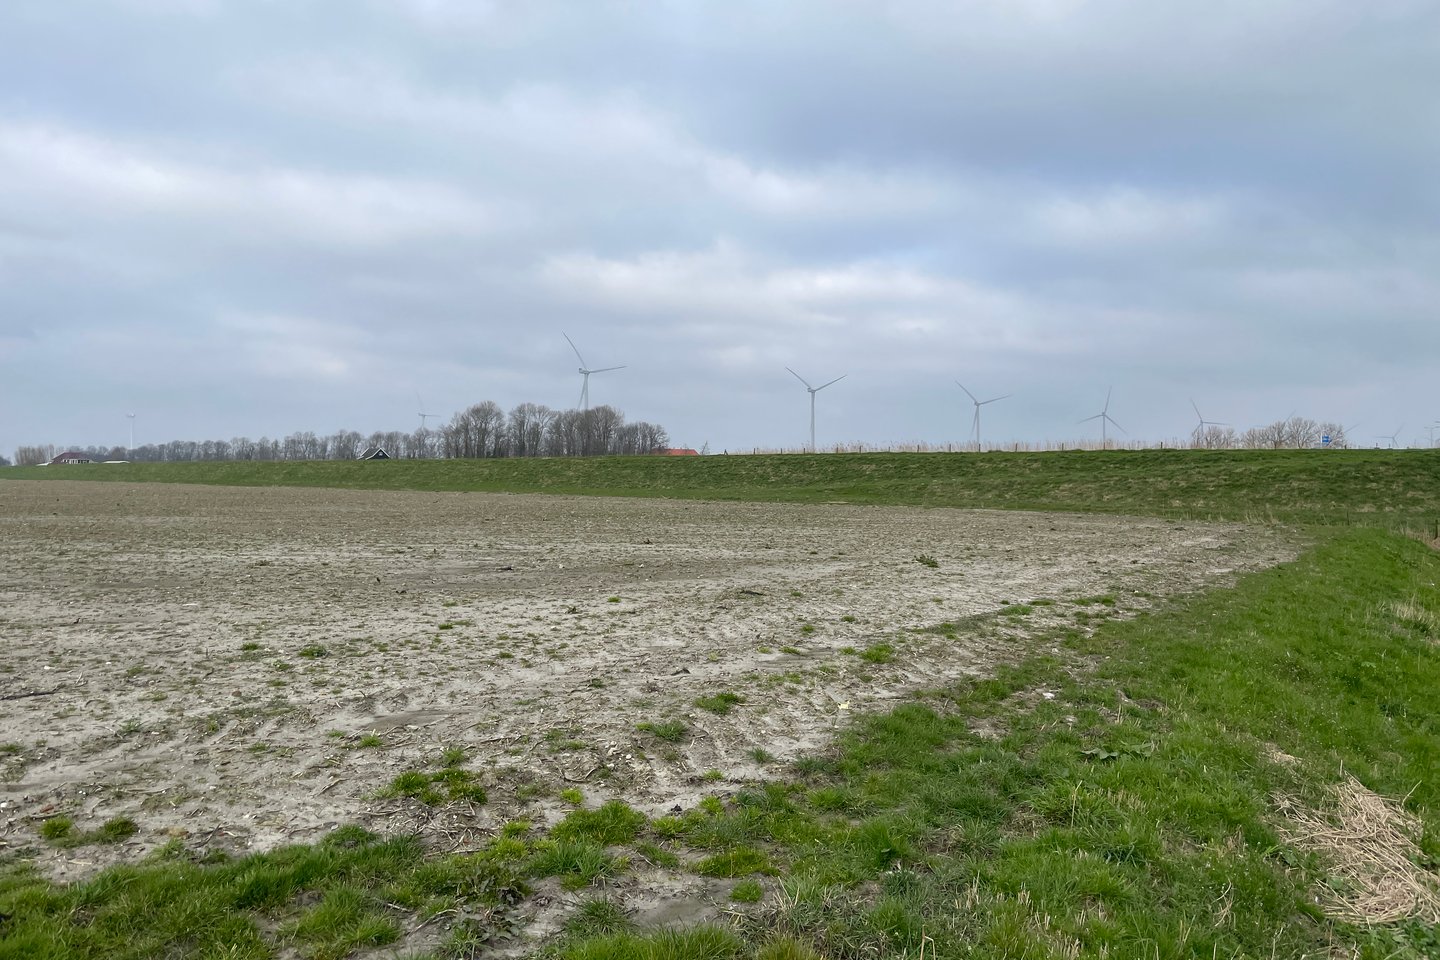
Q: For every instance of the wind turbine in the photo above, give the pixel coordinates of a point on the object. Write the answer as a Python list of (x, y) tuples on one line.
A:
[(1200, 428), (975, 423), (423, 416), (1390, 436), (813, 391), (585, 372), (130, 450), (1104, 417)]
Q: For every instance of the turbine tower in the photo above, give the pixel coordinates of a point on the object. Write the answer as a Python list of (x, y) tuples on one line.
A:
[(1391, 436), (1200, 427), (423, 416), (813, 391), (1104, 417), (585, 373), (975, 423), (130, 450)]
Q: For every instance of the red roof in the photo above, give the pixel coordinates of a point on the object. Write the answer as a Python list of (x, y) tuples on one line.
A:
[(678, 452)]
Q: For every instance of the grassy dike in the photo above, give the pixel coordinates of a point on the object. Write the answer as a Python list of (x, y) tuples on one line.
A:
[(1326, 487), (1129, 796)]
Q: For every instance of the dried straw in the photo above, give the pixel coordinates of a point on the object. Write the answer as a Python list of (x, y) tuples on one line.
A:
[(1369, 844)]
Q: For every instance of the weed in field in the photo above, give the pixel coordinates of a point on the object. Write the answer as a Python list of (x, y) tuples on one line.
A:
[(572, 796), (450, 785), (597, 918), (721, 703), (926, 560), (370, 741), (878, 653), (313, 651), (669, 730)]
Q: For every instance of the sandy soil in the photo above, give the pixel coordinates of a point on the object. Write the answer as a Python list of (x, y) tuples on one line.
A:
[(210, 660)]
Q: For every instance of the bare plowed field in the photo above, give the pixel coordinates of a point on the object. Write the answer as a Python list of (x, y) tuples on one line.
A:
[(246, 667)]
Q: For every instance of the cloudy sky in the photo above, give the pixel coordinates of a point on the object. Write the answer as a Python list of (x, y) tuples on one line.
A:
[(247, 217)]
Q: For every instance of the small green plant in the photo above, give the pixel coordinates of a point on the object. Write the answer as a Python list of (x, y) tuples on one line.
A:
[(572, 796), (612, 599), (807, 628), (878, 653), (598, 918), (370, 741), (57, 829), (747, 891), (454, 756), (249, 646), (115, 830), (925, 560), (848, 618), (313, 651), (668, 730), (712, 776), (761, 755), (720, 703)]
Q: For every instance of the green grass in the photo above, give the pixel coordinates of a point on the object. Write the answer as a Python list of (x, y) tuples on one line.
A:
[(350, 891), (721, 703), (1332, 487)]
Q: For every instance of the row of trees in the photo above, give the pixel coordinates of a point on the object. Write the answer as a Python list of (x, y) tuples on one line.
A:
[(483, 430), (1293, 433)]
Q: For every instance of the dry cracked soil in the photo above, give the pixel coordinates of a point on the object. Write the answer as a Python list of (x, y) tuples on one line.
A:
[(245, 667)]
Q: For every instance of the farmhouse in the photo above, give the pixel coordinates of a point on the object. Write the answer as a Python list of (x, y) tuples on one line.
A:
[(70, 457), (374, 453)]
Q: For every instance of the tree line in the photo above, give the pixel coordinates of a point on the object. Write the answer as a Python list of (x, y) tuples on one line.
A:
[(1292, 433), (482, 430)]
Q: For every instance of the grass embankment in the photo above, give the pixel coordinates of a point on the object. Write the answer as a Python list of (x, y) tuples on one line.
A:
[(1389, 487), (1122, 801)]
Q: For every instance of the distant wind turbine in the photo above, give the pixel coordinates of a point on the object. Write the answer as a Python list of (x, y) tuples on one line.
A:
[(975, 422), (1391, 436), (423, 416), (1104, 417), (813, 391), (1200, 428), (130, 450), (585, 372)]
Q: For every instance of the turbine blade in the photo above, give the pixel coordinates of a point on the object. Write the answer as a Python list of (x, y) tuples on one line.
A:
[(967, 392), (801, 379), (836, 380), (604, 369), (1116, 425), (993, 399), (573, 347), (1088, 419), (1107, 399)]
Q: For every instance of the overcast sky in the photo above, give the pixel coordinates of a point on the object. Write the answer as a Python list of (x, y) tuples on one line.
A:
[(247, 217)]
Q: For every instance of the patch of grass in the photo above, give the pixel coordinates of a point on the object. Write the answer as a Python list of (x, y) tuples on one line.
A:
[(615, 822), (878, 653), (370, 741), (669, 730), (57, 829), (313, 651), (703, 942), (449, 785), (747, 891), (927, 561), (735, 862), (720, 703), (597, 918), (577, 863)]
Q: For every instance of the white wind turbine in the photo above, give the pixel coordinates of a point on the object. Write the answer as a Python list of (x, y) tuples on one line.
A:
[(1200, 427), (1104, 417), (1390, 436), (813, 391), (585, 373), (130, 450), (423, 416), (975, 422)]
